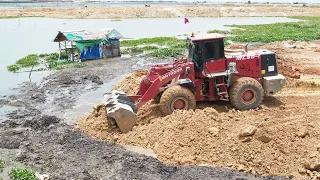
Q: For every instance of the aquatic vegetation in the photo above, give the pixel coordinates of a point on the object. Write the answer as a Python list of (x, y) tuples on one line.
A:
[(172, 46), (306, 30), (28, 61), (219, 31), (161, 41), (13, 68), (166, 52), (50, 59)]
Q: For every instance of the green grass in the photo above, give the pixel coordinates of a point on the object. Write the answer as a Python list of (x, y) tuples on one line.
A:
[(116, 20), (161, 41), (296, 31), (22, 174)]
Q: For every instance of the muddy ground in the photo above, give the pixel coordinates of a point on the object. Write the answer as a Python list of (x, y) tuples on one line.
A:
[(280, 138), (41, 139), (167, 12)]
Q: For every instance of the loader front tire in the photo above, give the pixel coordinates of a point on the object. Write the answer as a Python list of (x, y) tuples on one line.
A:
[(177, 98), (246, 93)]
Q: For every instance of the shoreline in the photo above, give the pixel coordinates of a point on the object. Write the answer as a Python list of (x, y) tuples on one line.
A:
[(162, 12)]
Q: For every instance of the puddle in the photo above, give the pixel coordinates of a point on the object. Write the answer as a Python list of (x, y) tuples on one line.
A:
[(87, 100), (5, 110)]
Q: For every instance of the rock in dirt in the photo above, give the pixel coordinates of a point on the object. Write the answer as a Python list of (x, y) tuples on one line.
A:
[(214, 131), (264, 138), (312, 165), (140, 150), (248, 130), (302, 133)]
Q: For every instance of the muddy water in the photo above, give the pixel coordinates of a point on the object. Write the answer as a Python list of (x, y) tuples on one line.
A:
[(85, 103), (35, 35)]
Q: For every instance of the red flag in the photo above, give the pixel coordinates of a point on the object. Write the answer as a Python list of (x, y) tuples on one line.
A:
[(186, 20)]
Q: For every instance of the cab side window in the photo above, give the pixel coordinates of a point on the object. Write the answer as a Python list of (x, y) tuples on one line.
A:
[(209, 48)]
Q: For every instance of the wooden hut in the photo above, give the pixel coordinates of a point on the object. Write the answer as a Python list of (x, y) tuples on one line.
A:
[(87, 45)]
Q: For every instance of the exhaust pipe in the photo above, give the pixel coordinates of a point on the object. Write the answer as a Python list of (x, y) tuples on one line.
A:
[(246, 47)]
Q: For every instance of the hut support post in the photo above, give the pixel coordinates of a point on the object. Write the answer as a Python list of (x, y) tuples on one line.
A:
[(59, 51), (72, 56)]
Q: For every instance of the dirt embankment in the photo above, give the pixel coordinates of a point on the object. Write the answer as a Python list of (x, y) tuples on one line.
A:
[(48, 145), (279, 138), (165, 12)]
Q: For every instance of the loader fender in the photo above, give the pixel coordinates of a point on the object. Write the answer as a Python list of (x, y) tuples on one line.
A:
[(188, 84)]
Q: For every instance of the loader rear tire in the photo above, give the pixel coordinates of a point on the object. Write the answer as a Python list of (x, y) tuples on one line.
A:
[(177, 97), (246, 93)]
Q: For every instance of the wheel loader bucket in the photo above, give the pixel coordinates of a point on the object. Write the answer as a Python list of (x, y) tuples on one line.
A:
[(122, 109)]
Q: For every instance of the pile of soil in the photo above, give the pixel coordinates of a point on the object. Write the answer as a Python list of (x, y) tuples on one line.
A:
[(130, 84), (278, 138)]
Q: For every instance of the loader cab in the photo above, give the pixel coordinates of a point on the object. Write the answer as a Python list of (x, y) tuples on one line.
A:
[(205, 48)]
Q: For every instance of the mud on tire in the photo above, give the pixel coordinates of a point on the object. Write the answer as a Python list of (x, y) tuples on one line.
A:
[(177, 97), (246, 93)]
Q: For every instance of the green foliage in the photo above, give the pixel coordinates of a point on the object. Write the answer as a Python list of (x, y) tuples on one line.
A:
[(148, 48), (13, 68), (58, 65), (28, 61), (297, 31), (43, 55), (2, 165), (180, 45), (156, 40), (51, 59), (166, 52), (22, 174), (219, 31), (124, 51)]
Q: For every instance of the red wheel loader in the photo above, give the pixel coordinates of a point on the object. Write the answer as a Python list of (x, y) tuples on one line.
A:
[(209, 73)]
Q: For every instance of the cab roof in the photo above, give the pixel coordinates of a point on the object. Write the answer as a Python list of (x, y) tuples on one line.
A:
[(202, 37)]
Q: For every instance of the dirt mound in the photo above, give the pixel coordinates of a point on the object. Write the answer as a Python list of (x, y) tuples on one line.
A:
[(283, 143), (277, 138), (130, 84)]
